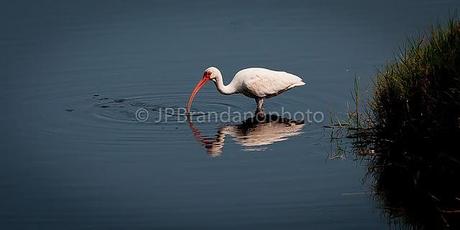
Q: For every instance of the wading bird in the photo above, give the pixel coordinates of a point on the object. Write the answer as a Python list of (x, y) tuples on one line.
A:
[(257, 83)]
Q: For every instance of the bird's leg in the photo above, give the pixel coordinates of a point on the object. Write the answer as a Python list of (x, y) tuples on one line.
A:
[(260, 104), (260, 108)]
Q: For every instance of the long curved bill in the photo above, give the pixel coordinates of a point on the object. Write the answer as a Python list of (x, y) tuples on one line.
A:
[(195, 91)]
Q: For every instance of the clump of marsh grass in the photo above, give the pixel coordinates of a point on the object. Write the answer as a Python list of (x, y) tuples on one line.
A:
[(415, 131), (410, 130), (419, 94)]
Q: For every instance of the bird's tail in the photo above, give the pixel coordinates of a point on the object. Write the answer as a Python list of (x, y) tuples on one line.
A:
[(296, 84)]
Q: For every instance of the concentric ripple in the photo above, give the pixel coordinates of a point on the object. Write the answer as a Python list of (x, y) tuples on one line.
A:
[(164, 108)]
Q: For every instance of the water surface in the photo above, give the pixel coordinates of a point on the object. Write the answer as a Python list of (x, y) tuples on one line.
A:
[(73, 75)]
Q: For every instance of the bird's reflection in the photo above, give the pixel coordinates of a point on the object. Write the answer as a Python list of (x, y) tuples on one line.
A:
[(253, 134)]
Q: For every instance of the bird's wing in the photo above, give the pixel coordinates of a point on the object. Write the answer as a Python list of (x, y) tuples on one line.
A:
[(271, 83)]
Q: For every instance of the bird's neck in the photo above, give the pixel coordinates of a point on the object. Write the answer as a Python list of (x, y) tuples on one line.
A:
[(224, 89)]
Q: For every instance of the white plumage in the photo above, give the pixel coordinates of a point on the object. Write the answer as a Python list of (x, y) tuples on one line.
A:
[(265, 83), (257, 83)]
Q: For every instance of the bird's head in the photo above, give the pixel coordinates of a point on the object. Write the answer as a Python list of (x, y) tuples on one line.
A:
[(210, 73)]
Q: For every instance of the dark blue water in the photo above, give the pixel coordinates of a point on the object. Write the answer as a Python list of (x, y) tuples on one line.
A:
[(73, 74)]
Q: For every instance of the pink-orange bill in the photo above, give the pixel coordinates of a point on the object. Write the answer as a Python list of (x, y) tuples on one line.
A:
[(197, 88)]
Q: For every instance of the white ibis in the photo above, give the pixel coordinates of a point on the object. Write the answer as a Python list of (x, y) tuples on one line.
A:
[(257, 83)]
